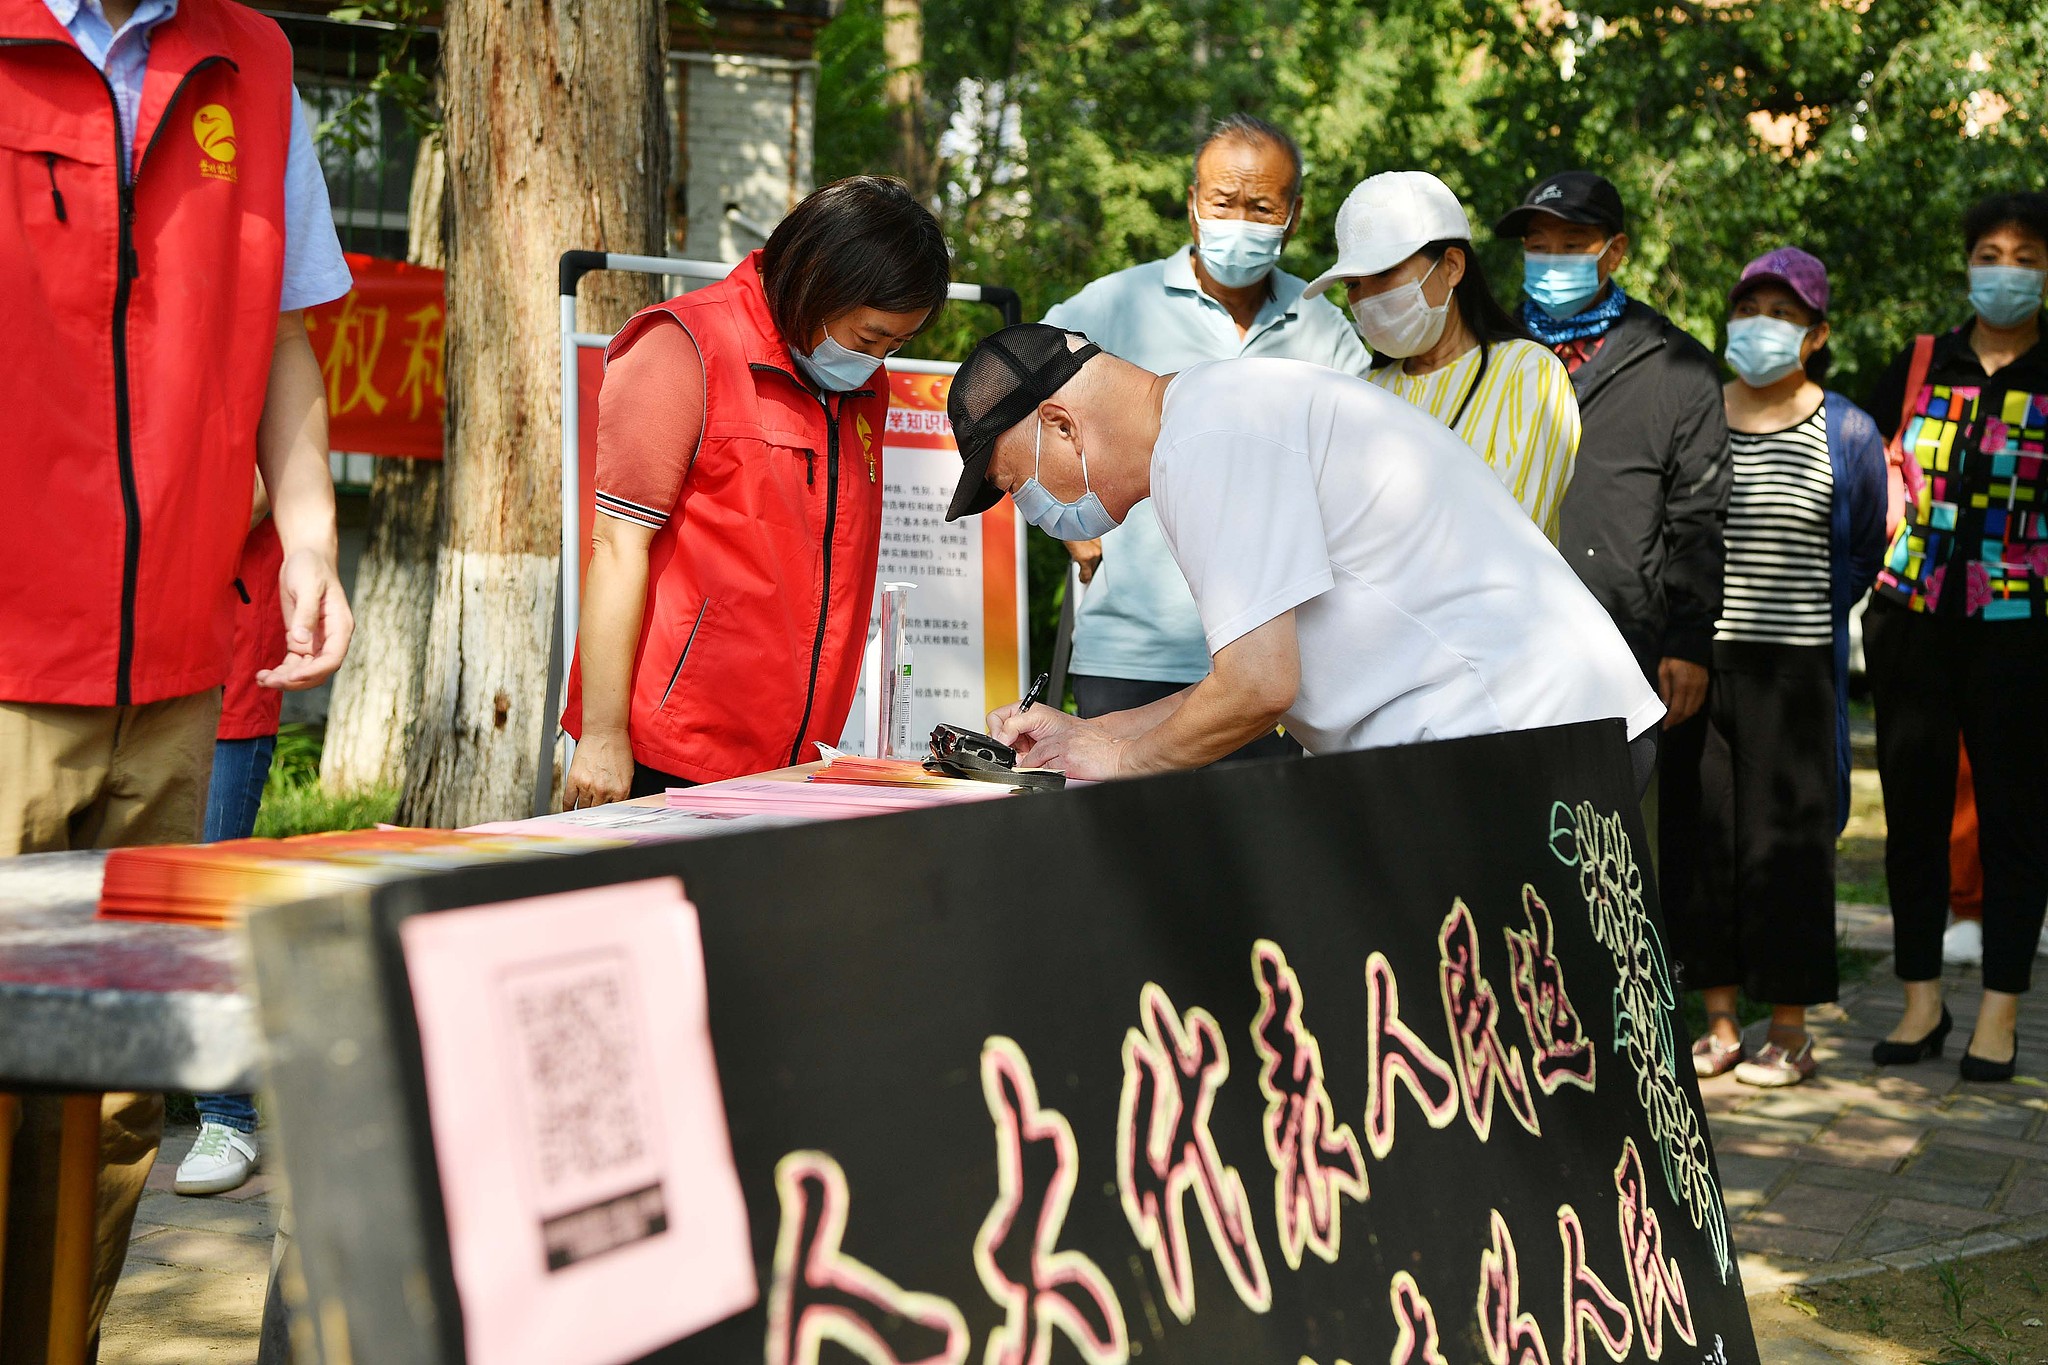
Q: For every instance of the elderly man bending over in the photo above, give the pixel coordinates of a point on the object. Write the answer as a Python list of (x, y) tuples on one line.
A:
[(1361, 575)]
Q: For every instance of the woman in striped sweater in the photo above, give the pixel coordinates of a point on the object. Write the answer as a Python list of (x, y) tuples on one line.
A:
[(1805, 534), (1443, 342)]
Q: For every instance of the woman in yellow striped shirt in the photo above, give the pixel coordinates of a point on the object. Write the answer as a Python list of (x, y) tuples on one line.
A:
[(1443, 342)]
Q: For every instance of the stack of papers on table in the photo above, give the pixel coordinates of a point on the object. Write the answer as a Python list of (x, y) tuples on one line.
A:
[(212, 884), (823, 800), (856, 771), (647, 820)]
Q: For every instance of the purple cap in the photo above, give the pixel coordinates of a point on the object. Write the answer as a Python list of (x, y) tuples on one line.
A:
[(1799, 271)]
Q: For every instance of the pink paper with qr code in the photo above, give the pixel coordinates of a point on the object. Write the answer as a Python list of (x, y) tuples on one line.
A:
[(594, 1213)]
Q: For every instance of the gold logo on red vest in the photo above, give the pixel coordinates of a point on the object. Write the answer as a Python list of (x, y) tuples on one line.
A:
[(213, 127), (866, 431)]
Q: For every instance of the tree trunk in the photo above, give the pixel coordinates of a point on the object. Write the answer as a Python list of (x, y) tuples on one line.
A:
[(377, 692), (557, 139), (903, 55)]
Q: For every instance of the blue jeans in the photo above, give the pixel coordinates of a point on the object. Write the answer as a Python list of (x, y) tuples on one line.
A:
[(240, 768)]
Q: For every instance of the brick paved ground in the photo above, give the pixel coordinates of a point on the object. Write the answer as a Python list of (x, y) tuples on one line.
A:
[(1862, 1168), (1854, 1173)]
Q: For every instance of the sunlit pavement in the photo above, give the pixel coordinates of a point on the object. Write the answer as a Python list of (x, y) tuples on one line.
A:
[(1861, 1167)]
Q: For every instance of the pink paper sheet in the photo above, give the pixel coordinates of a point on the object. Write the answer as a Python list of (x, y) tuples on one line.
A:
[(820, 801), (594, 1213)]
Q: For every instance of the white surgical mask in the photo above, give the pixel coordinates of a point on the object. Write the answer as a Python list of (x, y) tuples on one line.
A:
[(1764, 350), (1237, 252), (1400, 322), (1562, 285), (2005, 295), (1085, 518), (837, 367)]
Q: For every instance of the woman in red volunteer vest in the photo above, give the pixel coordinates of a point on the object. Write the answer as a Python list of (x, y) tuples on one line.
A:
[(739, 445)]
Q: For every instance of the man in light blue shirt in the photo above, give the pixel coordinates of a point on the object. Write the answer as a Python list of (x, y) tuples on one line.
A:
[(1137, 636)]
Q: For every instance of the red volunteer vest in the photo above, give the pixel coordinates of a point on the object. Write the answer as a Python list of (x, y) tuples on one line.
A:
[(247, 710), (761, 582), (140, 323)]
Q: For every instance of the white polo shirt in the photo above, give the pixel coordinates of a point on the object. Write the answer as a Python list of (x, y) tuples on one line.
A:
[(1426, 602)]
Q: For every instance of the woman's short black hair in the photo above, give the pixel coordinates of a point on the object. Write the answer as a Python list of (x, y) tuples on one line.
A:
[(1488, 322), (2025, 209), (861, 242)]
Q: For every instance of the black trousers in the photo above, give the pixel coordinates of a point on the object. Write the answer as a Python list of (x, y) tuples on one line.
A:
[(1752, 901), (1099, 696), (653, 782), (1929, 677)]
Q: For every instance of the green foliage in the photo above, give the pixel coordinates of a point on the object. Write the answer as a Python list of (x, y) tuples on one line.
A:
[(309, 810), (295, 762), (403, 79), (1063, 129), (295, 803)]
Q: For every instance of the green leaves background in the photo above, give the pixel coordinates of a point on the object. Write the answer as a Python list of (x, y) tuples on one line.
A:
[(1064, 128)]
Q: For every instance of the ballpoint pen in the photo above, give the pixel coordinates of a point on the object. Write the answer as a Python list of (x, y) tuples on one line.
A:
[(1037, 691)]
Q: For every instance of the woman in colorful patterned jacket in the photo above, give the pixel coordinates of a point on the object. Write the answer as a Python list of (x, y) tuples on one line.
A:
[(1957, 635), (1805, 534)]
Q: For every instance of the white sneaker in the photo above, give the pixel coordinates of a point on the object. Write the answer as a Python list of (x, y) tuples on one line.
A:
[(1963, 944), (220, 1160)]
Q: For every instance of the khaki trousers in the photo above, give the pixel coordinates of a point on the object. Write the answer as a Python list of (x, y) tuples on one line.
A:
[(79, 777), (105, 776)]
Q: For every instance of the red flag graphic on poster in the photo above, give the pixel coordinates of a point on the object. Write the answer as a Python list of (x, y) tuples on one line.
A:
[(379, 348)]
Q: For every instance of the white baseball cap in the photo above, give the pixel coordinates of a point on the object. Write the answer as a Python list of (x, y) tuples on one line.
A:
[(1387, 219)]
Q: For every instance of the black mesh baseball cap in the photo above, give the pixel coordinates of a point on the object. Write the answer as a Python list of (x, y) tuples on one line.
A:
[(1575, 196), (1008, 375)]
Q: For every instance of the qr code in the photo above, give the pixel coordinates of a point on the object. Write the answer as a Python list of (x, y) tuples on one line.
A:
[(581, 1072)]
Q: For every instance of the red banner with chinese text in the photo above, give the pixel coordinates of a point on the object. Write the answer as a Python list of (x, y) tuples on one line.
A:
[(379, 348)]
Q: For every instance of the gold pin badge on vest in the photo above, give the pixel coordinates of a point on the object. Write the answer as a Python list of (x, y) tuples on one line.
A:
[(866, 432)]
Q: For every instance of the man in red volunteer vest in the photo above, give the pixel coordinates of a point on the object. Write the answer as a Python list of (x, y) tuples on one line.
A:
[(162, 224)]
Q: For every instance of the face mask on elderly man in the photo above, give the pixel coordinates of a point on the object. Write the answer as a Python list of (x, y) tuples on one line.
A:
[(1085, 518), (1237, 252)]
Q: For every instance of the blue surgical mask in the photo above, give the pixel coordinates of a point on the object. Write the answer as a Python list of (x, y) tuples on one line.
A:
[(836, 367), (1237, 252), (1085, 518), (1562, 286), (2006, 295), (1764, 350)]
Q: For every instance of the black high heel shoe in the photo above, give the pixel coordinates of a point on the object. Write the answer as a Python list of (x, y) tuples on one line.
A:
[(1888, 1053), (1975, 1068), (1979, 1069)]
